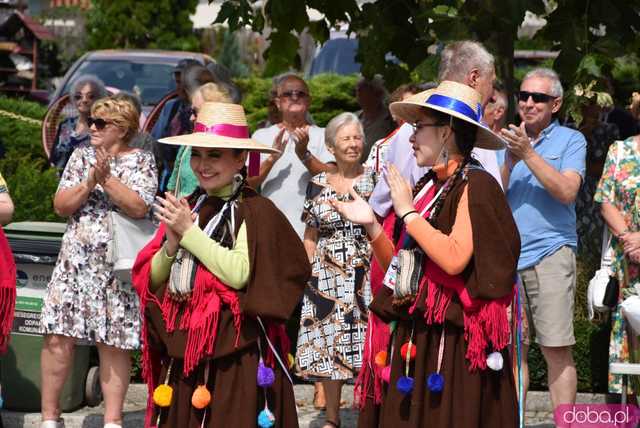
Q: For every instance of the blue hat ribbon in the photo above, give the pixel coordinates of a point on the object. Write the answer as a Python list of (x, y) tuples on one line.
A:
[(455, 105)]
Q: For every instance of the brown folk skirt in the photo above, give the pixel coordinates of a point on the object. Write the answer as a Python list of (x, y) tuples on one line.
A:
[(236, 398), (468, 400)]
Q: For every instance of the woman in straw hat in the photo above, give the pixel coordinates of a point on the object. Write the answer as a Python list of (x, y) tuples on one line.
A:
[(222, 274), (450, 267)]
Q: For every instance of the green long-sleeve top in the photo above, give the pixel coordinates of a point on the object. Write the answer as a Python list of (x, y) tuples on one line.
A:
[(230, 265)]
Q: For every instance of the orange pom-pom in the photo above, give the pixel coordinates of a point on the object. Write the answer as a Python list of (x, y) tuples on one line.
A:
[(201, 397), (381, 359), (162, 395), (291, 361), (403, 351)]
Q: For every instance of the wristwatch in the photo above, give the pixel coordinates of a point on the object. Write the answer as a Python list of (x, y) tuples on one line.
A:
[(306, 156)]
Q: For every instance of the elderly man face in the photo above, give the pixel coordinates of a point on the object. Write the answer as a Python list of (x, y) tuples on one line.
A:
[(536, 103)]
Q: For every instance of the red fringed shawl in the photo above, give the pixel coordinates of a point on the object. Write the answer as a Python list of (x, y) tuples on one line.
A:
[(199, 318), (7, 291)]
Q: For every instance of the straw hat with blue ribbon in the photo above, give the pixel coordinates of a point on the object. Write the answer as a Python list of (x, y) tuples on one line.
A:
[(454, 99), (220, 126)]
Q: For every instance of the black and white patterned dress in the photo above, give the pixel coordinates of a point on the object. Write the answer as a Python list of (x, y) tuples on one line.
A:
[(334, 309)]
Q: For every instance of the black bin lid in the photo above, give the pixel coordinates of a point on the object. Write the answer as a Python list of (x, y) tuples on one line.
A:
[(34, 238)]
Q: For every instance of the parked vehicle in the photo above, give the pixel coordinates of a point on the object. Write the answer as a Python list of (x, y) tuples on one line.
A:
[(146, 73)]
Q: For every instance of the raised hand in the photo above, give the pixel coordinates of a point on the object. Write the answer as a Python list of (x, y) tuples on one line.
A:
[(174, 213), (357, 211), (279, 143), (102, 167), (302, 140), (518, 142), (401, 192)]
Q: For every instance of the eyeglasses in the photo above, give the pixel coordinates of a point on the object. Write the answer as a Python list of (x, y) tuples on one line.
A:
[(293, 94), (417, 126), (78, 96), (99, 123), (537, 97)]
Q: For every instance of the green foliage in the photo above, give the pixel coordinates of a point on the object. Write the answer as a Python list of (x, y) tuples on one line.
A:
[(330, 95), (32, 186), (31, 182), (147, 24), (25, 108), (591, 36)]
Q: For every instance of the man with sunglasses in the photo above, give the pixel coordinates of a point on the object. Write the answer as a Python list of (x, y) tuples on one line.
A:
[(543, 169), (284, 176)]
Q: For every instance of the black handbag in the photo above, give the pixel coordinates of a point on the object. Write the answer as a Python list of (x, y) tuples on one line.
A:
[(611, 293)]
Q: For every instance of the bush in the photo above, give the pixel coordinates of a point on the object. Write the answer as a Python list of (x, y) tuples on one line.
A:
[(31, 182)]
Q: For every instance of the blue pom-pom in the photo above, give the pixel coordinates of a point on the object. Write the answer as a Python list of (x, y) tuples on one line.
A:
[(1, 402), (435, 382), (405, 384), (266, 376), (266, 419)]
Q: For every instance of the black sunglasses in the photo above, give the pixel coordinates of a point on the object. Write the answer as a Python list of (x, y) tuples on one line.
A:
[(89, 96), (294, 94), (538, 97), (99, 123)]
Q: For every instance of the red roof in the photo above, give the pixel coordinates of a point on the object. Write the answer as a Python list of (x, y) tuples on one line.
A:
[(18, 19)]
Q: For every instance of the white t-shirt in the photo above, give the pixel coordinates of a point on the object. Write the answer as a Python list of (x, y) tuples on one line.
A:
[(286, 183)]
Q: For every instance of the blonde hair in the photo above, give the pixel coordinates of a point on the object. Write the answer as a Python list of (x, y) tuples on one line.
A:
[(211, 92), (121, 111)]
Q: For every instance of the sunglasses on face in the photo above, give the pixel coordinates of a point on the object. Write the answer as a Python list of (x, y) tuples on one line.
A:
[(293, 94), (537, 97), (99, 123), (80, 96)]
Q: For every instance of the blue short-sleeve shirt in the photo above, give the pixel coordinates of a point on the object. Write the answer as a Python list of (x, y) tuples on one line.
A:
[(545, 223)]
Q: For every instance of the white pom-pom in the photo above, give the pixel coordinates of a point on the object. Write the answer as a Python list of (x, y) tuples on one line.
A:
[(495, 361)]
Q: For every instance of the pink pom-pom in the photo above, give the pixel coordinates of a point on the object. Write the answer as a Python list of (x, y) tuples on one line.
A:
[(385, 374)]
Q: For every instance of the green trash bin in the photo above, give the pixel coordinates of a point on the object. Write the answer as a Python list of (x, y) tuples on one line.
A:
[(35, 246)]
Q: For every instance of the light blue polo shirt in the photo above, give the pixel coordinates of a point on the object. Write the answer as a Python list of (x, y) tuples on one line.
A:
[(546, 224)]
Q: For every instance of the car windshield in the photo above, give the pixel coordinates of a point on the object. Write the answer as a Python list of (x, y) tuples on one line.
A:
[(150, 81)]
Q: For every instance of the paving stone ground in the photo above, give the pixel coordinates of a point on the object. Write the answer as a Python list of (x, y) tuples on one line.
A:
[(539, 415)]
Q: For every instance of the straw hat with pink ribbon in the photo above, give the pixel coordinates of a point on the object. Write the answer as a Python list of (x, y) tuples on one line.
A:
[(220, 126)]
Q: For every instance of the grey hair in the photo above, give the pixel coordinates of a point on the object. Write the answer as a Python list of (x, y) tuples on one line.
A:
[(547, 73), (336, 124), (91, 80), (281, 78), (501, 98), (459, 58)]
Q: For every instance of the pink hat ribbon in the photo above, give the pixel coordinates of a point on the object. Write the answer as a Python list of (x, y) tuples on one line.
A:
[(223, 130)]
